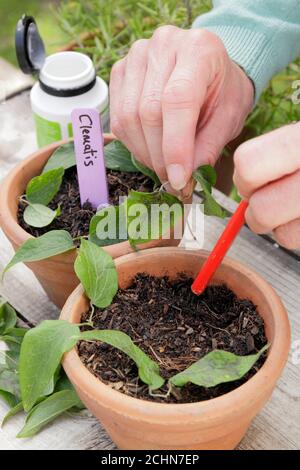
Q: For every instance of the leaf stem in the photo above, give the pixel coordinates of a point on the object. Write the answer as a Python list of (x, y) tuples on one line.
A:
[(80, 237), (90, 320), (23, 199)]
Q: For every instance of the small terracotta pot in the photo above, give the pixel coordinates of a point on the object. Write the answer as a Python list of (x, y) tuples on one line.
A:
[(219, 423), (56, 274)]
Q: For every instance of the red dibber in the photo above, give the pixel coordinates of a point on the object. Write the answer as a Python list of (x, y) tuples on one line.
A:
[(222, 246)]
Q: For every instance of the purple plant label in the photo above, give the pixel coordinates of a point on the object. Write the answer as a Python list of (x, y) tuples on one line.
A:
[(89, 144)]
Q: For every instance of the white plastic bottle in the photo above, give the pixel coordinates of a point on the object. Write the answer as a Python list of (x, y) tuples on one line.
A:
[(67, 80)]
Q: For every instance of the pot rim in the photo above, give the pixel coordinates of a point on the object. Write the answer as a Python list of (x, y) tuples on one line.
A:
[(214, 410)]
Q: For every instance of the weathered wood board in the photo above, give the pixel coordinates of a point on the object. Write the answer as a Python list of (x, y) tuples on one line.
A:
[(12, 80)]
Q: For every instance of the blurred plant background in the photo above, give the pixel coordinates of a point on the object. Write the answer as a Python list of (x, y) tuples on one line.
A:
[(42, 10), (105, 29), (115, 25)]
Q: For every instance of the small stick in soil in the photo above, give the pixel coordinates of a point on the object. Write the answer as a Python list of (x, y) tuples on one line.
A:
[(217, 328), (154, 354)]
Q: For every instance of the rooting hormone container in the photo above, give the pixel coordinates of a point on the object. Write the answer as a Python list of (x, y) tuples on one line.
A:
[(66, 80)]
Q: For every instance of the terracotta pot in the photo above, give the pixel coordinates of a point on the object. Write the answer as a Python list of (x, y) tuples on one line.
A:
[(219, 423), (56, 274)]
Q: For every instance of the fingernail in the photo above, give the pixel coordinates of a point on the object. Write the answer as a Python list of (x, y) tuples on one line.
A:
[(176, 176)]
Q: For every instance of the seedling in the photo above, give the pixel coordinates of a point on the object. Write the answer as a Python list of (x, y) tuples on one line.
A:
[(61, 396), (124, 221)]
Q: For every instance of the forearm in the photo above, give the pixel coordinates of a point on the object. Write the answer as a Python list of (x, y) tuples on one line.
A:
[(262, 36)]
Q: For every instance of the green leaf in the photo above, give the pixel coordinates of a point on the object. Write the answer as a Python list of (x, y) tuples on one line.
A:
[(146, 171), (211, 206), (8, 317), (12, 412), (10, 357), (43, 188), (38, 215), (63, 157), (18, 333), (148, 369), (9, 399), (13, 340), (150, 216), (206, 176), (108, 226), (48, 410), (50, 244), (41, 353), (64, 384), (96, 270), (9, 382), (216, 367), (7, 362), (118, 157), (16, 407)]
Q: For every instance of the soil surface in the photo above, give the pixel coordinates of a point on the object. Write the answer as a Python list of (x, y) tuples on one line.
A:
[(175, 328), (76, 219)]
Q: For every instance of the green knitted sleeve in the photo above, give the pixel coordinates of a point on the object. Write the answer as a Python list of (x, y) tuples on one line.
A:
[(262, 36)]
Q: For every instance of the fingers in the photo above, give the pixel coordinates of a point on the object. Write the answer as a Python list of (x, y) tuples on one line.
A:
[(135, 70), (212, 138), (275, 204), (115, 85), (288, 235), (173, 89), (267, 158), (182, 99), (161, 61), (157, 96), (126, 88), (267, 173), (222, 116)]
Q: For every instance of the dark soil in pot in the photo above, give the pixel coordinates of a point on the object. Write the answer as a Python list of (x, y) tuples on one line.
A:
[(74, 218), (175, 328)]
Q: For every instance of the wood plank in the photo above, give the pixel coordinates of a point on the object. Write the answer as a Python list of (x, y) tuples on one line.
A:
[(12, 80), (17, 135), (69, 432)]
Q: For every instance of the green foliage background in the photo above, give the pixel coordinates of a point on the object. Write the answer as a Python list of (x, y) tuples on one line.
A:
[(42, 10)]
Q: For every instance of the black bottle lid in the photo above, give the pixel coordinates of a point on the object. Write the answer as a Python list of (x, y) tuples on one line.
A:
[(30, 48)]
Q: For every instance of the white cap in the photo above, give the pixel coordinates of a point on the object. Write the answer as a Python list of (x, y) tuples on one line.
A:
[(67, 70)]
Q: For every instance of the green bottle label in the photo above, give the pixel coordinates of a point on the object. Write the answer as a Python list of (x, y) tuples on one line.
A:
[(46, 131), (70, 130)]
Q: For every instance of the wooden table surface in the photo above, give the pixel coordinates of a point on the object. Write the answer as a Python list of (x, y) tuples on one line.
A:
[(276, 427)]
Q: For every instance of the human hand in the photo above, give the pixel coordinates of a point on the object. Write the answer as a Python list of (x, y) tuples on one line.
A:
[(176, 100), (267, 173)]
